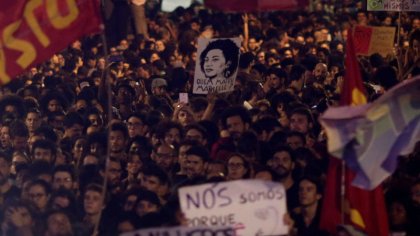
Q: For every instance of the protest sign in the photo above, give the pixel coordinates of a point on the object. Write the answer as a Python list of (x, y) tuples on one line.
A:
[(251, 207), (183, 231), (217, 65), (393, 5), (171, 5), (369, 40)]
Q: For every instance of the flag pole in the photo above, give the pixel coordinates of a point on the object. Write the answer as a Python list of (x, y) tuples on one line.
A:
[(105, 80), (343, 191)]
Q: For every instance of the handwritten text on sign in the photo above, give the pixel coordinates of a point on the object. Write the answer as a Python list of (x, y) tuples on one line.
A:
[(369, 40), (183, 231), (251, 207)]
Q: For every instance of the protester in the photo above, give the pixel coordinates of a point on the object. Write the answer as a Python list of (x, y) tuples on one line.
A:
[(55, 124)]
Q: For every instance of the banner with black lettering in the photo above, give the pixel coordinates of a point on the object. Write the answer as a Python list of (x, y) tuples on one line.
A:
[(250, 207), (183, 231), (32, 31), (217, 65)]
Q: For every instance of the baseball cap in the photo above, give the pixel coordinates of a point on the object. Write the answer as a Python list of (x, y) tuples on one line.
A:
[(159, 82)]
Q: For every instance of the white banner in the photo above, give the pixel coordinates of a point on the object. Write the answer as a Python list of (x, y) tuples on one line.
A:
[(393, 5), (183, 231), (251, 207), (217, 65)]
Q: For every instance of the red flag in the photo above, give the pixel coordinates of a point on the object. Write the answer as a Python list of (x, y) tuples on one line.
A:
[(32, 31), (363, 209), (255, 5)]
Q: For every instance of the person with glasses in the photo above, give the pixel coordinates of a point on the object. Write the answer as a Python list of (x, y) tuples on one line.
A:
[(39, 194), (164, 156), (136, 125), (238, 167)]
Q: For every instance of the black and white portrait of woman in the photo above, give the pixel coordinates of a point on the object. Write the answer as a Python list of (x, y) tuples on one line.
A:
[(217, 65)]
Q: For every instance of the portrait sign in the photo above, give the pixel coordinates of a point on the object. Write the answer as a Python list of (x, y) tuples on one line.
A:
[(217, 65), (393, 5), (250, 207), (184, 231)]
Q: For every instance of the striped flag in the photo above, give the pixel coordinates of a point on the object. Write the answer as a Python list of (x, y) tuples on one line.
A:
[(363, 209)]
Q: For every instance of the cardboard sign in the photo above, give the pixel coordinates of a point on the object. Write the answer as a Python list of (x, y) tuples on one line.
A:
[(184, 231), (369, 40), (217, 65), (251, 207), (393, 5)]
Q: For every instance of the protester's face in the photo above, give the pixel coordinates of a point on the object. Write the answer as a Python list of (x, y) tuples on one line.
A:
[(214, 64), (236, 126), (62, 179), (130, 203), (43, 154), (19, 143), (320, 70), (193, 134), (58, 224), (164, 157), (78, 148), (173, 136), (253, 44), (415, 194), (134, 165), (95, 120), (32, 121), (5, 137), (38, 196), (4, 170), (125, 227), (54, 105), (182, 156), (114, 173), (299, 122), (92, 202), (195, 166), (74, 131), (144, 207), (236, 168), (135, 127), (18, 158), (151, 183), (308, 193), (185, 118), (397, 214), (282, 163), (117, 141), (294, 142)]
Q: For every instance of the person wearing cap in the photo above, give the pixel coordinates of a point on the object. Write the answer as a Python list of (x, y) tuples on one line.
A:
[(159, 87)]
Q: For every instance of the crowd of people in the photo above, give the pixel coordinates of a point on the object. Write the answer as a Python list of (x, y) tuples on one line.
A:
[(62, 134)]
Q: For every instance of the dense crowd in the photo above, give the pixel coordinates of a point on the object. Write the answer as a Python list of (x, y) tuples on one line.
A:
[(56, 131)]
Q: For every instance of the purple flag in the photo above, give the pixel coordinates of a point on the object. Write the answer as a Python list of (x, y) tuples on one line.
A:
[(370, 137)]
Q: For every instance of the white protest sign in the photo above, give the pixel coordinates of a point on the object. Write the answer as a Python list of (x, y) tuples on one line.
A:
[(251, 207), (171, 5), (183, 231), (217, 65), (393, 5)]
